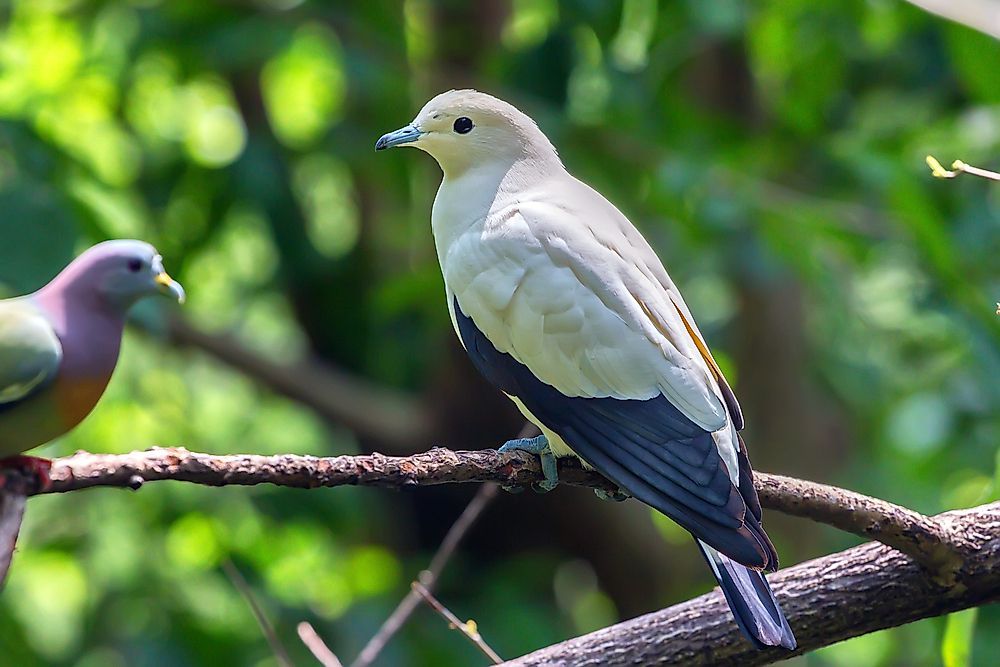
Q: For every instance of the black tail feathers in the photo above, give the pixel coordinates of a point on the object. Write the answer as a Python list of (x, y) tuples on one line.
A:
[(750, 598)]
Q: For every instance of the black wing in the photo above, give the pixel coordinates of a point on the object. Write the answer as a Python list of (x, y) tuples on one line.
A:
[(647, 447)]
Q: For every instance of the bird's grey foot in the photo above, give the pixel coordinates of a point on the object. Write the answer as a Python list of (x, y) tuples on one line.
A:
[(617, 496), (538, 445)]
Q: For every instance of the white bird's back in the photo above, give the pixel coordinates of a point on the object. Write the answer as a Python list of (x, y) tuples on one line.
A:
[(564, 306)]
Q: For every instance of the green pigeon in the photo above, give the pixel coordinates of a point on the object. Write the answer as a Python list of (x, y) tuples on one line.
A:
[(59, 346)]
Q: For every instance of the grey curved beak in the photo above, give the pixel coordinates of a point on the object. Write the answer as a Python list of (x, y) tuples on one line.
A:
[(404, 135)]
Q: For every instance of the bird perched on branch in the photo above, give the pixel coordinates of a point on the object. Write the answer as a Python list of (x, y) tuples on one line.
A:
[(59, 345), (562, 304)]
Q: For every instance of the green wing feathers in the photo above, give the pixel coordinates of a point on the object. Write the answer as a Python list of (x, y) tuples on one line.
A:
[(30, 352)]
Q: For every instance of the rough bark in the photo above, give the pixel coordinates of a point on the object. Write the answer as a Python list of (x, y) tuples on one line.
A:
[(924, 539), (926, 566), (437, 466), (851, 593)]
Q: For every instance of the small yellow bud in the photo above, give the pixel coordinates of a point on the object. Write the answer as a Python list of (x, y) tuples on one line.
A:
[(937, 171)]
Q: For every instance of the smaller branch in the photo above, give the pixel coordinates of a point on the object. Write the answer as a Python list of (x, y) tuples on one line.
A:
[(958, 168), (265, 625), (315, 643), (922, 538), (457, 533), (468, 628), (428, 577)]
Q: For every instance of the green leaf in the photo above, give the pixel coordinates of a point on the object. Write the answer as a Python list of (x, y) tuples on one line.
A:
[(970, 53), (959, 630)]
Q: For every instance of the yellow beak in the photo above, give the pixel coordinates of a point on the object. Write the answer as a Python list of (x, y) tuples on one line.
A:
[(170, 287)]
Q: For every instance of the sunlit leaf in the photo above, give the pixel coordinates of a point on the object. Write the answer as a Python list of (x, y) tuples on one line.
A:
[(873, 650), (49, 593), (324, 186), (192, 543), (529, 23), (214, 132), (304, 86), (956, 646), (589, 88), (631, 45)]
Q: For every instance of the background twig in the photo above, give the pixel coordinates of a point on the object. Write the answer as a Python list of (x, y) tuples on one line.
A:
[(467, 628), (958, 167), (265, 625), (428, 577), (315, 643)]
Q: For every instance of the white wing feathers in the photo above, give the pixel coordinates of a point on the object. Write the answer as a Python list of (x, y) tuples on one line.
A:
[(581, 299)]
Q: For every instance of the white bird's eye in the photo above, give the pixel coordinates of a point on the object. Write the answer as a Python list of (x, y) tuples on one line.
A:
[(463, 125), (135, 265)]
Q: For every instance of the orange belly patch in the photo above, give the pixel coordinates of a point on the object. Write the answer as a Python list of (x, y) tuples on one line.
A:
[(74, 400)]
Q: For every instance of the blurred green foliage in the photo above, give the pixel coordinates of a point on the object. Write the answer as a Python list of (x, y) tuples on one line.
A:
[(773, 155)]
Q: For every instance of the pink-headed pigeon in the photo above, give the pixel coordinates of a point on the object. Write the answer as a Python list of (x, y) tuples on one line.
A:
[(59, 345)]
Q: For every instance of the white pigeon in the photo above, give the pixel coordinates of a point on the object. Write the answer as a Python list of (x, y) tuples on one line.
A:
[(562, 304)]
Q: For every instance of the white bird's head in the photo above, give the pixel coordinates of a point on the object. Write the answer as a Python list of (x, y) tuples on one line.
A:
[(466, 128)]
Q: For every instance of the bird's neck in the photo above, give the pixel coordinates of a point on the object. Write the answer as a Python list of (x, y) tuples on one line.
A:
[(89, 330), (465, 199)]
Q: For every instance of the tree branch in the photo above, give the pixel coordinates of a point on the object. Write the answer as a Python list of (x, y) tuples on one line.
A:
[(827, 600), (922, 538), (927, 565)]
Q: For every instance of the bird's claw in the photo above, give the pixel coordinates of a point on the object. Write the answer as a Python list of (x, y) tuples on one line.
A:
[(617, 496), (540, 446), (31, 466), (544, 486)]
